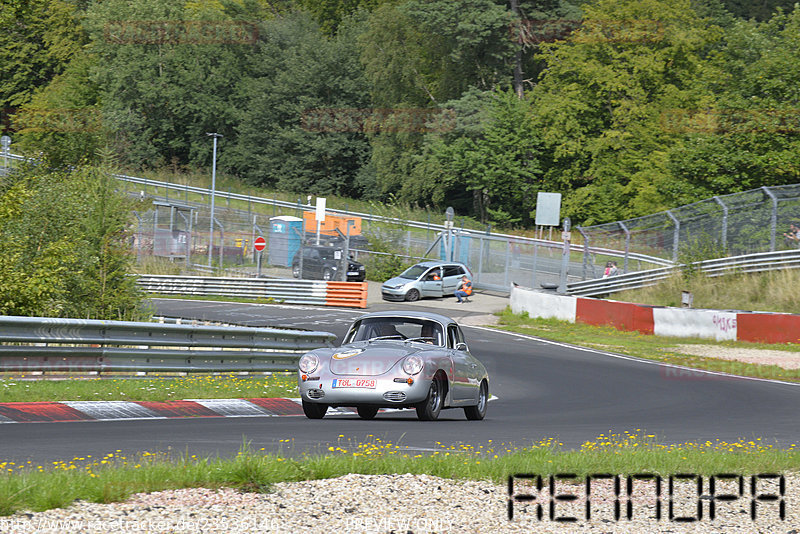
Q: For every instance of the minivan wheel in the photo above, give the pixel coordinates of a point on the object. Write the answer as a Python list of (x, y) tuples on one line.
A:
[(412, 295), (296, 271)]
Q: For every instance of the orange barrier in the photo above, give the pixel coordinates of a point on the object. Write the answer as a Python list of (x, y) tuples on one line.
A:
[(620, 315), (347, 294)]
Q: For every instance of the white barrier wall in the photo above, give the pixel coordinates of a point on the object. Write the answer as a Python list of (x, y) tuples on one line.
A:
[(543, 305), (709, 324)]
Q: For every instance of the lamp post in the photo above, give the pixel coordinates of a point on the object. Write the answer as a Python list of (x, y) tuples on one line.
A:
[(213, 187)]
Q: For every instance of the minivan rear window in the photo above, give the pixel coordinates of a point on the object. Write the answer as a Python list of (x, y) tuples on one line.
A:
[(453, 270)]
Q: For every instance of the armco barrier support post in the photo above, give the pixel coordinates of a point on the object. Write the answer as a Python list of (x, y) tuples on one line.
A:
[(585, 251), (773, 220), (676, 235), (627, 245), (138, 238), (724, 222)]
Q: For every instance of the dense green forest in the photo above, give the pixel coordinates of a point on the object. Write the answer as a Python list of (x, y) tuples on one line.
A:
[(625, 106)]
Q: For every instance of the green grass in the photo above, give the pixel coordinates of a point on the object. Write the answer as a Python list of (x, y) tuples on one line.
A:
[(149, 389), (770, 291), (114, 477), (658, 348)]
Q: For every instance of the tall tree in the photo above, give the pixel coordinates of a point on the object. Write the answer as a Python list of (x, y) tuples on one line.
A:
[(63, 122), (169, 73), (601, 101), (303, 125), (750, 137), (330, 13), (489, 165), (420, 55), (38, 38)]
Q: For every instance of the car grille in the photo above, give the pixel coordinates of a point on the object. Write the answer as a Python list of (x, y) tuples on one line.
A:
[(394, 396), (315, 393)]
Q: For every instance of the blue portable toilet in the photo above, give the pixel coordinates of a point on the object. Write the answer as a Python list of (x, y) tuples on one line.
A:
[(285, 238)]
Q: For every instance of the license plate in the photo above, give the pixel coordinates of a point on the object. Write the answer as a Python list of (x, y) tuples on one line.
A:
[(352, 273), (354, 383)]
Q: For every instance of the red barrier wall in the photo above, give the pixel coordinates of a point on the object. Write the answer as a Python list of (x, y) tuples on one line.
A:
[(768, 328), (620, 315)]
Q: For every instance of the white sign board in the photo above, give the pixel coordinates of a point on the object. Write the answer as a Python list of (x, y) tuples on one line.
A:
[(548, 209), (320, 215)]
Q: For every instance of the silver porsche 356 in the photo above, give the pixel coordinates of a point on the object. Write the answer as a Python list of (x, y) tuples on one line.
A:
[(396, 360)]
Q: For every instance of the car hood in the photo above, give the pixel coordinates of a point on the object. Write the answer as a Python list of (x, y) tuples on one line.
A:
[(369, 359), (396, 281)]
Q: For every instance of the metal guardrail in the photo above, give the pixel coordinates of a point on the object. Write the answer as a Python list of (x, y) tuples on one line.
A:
[(285, 291), (748, 263), (69, 345)]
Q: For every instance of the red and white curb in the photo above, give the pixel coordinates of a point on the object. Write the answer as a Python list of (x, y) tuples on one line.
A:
[(44, 412), (66, 411)]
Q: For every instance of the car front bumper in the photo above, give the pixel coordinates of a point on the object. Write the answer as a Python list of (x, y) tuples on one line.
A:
[(386, 393), (393, 294)]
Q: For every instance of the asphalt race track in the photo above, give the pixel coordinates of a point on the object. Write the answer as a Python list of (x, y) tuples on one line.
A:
[(544, 390)]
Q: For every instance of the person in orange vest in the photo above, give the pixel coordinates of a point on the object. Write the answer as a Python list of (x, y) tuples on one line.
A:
[(464, 290)]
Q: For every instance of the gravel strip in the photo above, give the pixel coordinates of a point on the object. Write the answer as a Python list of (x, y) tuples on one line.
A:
[(781, 358), (411, 503)]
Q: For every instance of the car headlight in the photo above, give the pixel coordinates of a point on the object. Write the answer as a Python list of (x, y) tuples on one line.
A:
[(398, 286), (308, 363), (413, 365)]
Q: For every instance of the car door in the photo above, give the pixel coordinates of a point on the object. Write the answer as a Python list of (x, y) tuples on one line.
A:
[(475, 371), (462, 391), (451, 278), (428, 285), (312, 264)]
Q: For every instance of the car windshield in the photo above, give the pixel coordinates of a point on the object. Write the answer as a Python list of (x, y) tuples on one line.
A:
[(403, 328), (412, 273)]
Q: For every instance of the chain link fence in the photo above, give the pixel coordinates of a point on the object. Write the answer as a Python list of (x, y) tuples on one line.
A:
[(177, 227), (739, 223), (176, 230)]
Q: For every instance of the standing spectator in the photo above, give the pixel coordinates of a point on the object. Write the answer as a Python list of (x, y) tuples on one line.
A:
[(464, 290), (792, 237)]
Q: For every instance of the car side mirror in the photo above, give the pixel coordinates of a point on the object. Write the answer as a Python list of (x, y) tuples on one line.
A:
[(461, 346)]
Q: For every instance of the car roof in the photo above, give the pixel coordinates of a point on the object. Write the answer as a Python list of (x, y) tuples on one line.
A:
[(435, 263), (410, 314)]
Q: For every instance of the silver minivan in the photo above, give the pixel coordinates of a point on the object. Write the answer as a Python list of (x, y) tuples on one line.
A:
[(426, 279)]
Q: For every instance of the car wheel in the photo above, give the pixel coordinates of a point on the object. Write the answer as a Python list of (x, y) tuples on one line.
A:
[(478, 412), (429, 409), (296, 271), (314, 410), (367, 412), (327, 275), (412, 295)]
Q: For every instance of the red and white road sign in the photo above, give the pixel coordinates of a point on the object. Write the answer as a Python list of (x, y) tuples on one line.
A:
[(260, 243)]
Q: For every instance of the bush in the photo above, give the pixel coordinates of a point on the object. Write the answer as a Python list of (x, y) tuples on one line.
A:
[(64, 246)]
